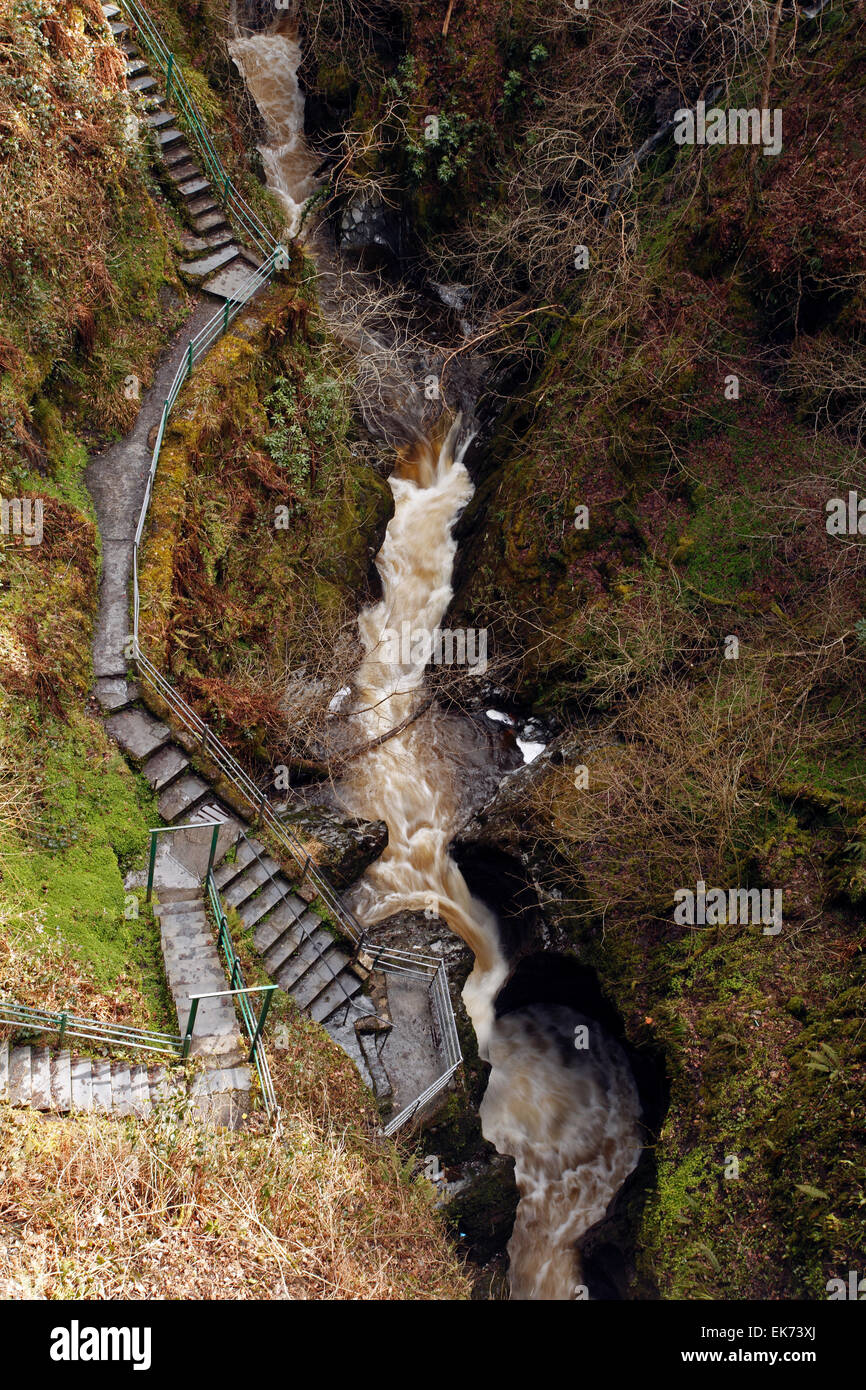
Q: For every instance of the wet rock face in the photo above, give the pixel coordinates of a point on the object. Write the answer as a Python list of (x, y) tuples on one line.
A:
[(343, 846), (366, 223)]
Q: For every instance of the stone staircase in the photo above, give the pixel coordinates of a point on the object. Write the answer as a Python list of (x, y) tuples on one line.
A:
[(216, 260), (62, 1082), (297, 949)]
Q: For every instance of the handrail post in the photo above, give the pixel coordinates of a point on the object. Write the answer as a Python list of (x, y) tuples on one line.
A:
[(151, 864), (190, 1024), (212, 856), (263, 1013)]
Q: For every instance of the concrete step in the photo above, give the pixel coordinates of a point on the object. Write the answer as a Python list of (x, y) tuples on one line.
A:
[(121, 1089), (138, 733), (82, 1084), (101, 1075), (181, 797), (40, 1078), (209, 221), (338, 992), (139, 1090), (141, 84), (208, 264), (61, 1081), (19, 1075), (164, 766)]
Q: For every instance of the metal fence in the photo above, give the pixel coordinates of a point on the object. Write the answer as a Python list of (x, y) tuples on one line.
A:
[(425, 967), (69, 1025)]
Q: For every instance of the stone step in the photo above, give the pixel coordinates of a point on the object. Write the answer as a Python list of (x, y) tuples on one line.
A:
[(209, 221), (138, 733), (244, 885), (177, 154), (315, 981), (290, 970), (141, 84), (40, 1078), (247, 852), (199, 206), (101, 1075), (230, 283), (110, 11), (182, 170), (181, 797), (192, 186), (299, 929), (164, 766), (128, 49), (229, 830), (82, 1084), (273, 892), (121, 1089), (115, 692), (197, 246), (209, 264), (345, 987), (118, 27), (158, 119), (169, 135), (269, 930), (135, 66), (19, 1075), (61, 1081)]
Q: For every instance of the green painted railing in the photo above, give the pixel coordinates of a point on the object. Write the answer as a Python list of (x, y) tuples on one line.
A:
[(251, 1022), (69, 1025), (177, 91)]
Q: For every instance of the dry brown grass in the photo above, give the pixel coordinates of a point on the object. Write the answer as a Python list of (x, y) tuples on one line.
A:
[(97, 1208)]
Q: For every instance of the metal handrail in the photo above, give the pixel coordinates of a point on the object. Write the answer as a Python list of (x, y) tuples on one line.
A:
[(73, 1026), (252, 1024)]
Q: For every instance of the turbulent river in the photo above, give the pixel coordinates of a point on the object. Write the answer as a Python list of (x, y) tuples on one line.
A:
[(567, 1113)]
